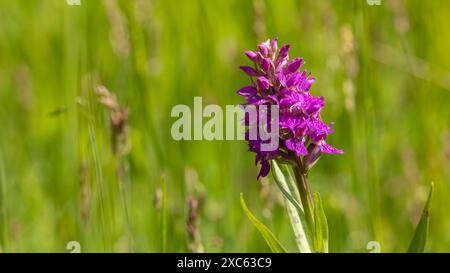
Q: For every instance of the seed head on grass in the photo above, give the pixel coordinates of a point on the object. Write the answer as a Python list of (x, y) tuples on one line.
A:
[(193, 224), (195, 202), (121, 146), (119, 121)]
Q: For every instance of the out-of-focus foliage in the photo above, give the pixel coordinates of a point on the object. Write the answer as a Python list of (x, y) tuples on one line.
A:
[(384, 70)]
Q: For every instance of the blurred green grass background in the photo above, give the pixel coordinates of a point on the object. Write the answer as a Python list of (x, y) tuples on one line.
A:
[(384, 70)]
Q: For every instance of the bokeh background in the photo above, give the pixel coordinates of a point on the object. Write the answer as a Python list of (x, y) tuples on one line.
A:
[(384, 70)]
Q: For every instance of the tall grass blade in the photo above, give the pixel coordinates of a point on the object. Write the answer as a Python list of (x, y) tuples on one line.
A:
[(164, 215), (3, 222)]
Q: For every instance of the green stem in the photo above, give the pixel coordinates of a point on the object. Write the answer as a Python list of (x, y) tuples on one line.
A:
[(305, 191), (287, 184), (122, 175)]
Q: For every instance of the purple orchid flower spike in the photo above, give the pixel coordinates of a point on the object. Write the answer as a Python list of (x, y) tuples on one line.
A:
[(277, 81), (300, 134)]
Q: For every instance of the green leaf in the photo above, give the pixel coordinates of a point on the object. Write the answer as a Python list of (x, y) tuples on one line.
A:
[(270, 238), (287, 185), (420, 236), (320, 226), (281, 178)]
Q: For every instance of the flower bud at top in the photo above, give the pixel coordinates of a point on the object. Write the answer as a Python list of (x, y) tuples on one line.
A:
[(263, 49), (284, 51), (251, 55), (263, 83), (249, 71), (265, 65), (293, 65), (274, 45)]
